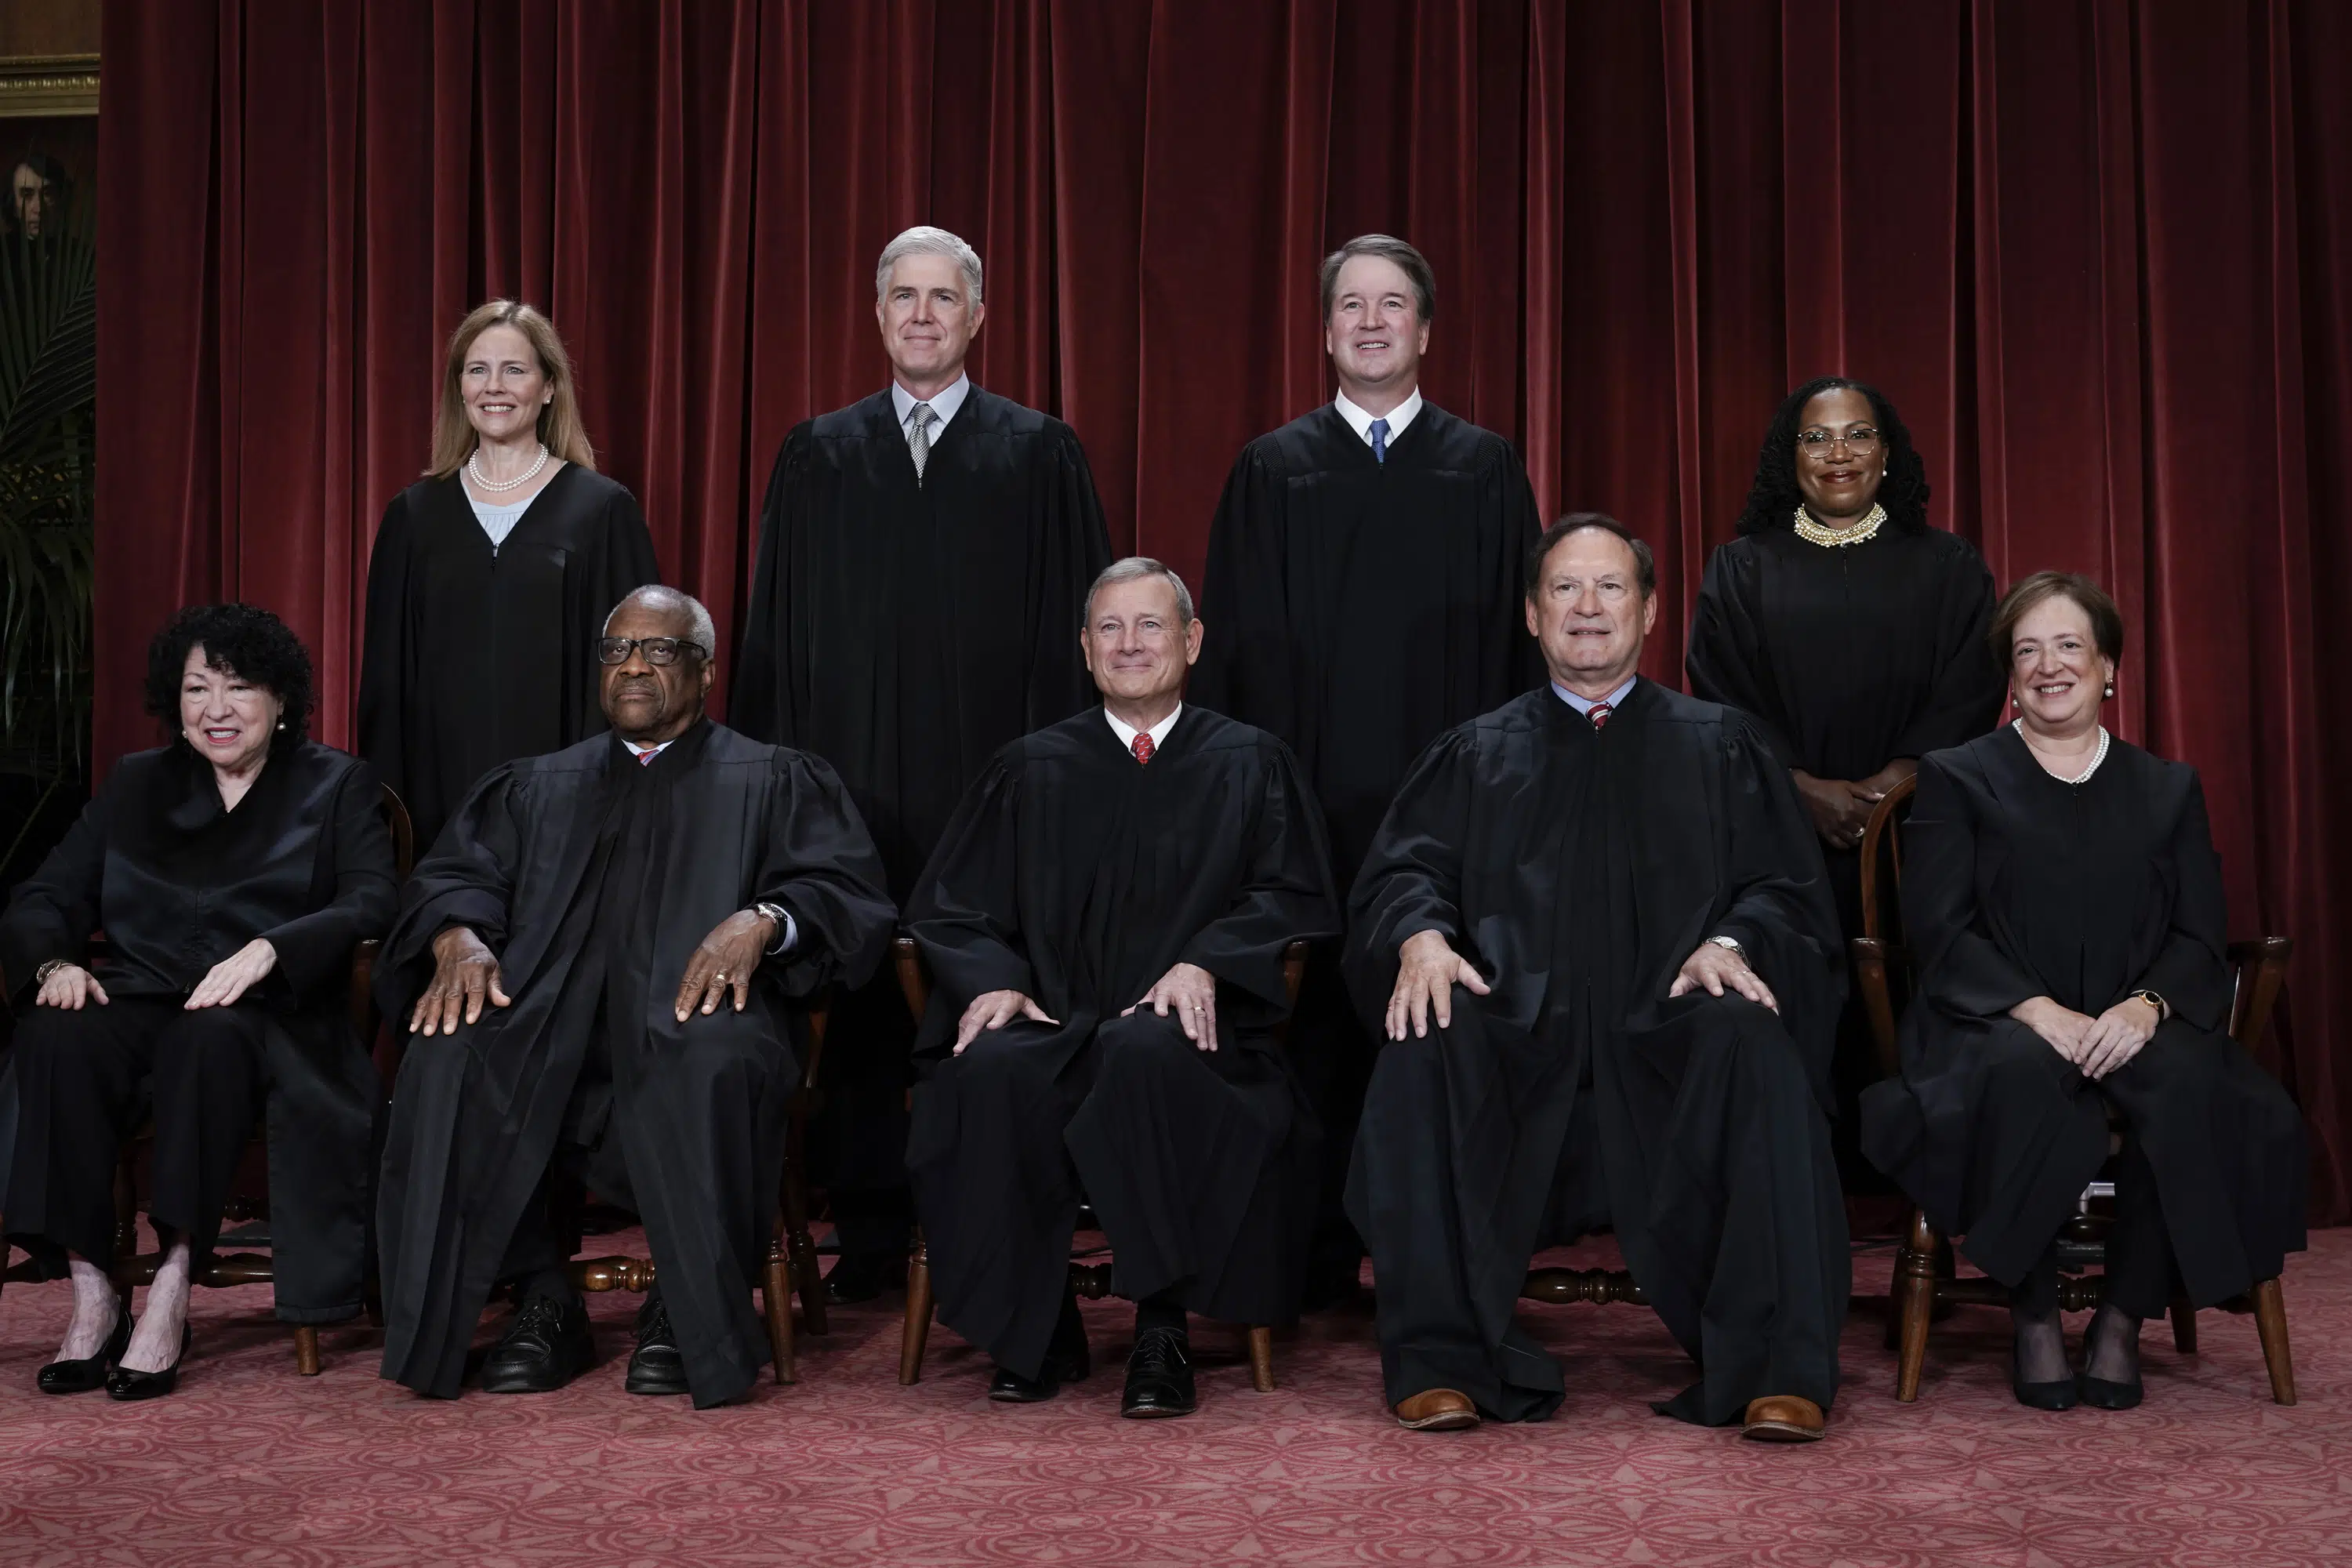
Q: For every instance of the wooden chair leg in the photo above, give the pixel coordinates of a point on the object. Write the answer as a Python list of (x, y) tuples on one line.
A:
[(306, 1349), (2184, 1326), (776, 1297), (808, 1275), (1914, 1303), (2270, 1321), (918, 1314), (1260, 1348)]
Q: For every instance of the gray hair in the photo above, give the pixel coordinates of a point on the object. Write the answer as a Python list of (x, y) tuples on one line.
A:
[(924, 240), (1129, 571), (652, 595), (1388, 248)]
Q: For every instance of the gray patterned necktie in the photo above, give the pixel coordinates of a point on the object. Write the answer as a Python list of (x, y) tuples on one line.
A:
[(918, 437)]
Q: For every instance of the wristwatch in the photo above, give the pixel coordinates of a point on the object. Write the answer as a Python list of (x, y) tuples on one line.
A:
[(777, 915), (1731, 946), (2163, 1008), (41, 975)]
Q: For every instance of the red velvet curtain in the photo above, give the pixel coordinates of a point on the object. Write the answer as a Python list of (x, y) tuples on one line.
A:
[(2098, 251)]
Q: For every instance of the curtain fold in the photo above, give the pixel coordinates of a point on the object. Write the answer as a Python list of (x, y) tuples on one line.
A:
[(2096, 250)]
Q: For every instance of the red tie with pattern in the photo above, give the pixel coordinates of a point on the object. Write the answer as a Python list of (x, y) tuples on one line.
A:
[(1143, 746), (1599, 714), (646, 759)]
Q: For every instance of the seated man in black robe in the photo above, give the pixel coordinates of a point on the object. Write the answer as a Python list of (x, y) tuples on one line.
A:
[(636, 911), (1106, 918), (1605, 897)]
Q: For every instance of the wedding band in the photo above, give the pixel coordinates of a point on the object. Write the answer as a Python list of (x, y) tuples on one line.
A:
[(721, 977)]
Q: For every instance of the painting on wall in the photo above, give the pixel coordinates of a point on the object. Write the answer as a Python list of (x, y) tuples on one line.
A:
[(48, 144)]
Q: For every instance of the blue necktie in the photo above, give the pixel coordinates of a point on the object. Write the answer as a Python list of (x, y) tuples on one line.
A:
[(1379, 440)]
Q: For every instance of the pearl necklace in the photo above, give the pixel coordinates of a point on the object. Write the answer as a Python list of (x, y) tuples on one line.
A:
[(1812, 533), (483, 481), (2096, 757)]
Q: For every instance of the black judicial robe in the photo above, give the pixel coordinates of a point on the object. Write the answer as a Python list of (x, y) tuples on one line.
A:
[(904, 631), (697, 1108), (1078, 877), (1578, 869), (178, 884), (2018, 885), (475, 655), (1355, 609), (1848, 657)]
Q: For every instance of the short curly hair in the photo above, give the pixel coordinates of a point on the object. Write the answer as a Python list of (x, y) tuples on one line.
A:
[(1773, 497), (245, 638)]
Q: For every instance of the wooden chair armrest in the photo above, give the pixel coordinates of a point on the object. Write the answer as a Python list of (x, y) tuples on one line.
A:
[(1871, 958), (914, 979), (2260, 964)]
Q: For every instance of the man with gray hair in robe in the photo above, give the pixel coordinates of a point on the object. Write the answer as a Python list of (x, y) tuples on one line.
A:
[(923, 554)]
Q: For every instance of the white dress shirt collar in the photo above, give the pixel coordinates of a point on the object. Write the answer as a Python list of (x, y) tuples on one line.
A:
[(943, 406), (1362, 423), (1585, 705), (1127, 732), (641, 752)]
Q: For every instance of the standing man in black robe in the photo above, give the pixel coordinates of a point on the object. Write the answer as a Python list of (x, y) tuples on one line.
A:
[(1607, 901), (593, 938), (1106, 918), (923, 554), (1364, 574)]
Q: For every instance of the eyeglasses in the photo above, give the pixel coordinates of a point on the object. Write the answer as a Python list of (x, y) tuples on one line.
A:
[(658, 650), (1862, 441)]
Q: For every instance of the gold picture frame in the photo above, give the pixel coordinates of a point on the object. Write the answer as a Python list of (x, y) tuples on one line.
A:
[(45, 86)]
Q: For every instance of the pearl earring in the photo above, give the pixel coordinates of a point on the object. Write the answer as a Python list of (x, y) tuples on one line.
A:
[(2111, 692)]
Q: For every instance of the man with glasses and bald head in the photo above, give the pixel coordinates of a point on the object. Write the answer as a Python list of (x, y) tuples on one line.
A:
[(599, 964)]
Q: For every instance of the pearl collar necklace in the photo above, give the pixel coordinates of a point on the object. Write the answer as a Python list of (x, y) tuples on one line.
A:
[(2085, 776), (1812, 533), (484, 482)]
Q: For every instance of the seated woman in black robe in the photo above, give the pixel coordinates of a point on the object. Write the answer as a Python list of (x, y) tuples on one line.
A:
[(232, 871), (1851, 632), (2062, 894)]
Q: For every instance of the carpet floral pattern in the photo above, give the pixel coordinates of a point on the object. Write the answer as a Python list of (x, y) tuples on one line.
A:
[(249, 1464)]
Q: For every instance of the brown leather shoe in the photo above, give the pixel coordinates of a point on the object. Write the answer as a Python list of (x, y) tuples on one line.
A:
[(1439, 1410), (1783, 1418)]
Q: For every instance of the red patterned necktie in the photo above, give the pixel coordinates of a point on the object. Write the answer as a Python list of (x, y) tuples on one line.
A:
[(1143, 747), (1599, 714), (646, 759)]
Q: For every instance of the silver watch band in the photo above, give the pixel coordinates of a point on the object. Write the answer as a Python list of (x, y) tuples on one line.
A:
[(1730, 944)]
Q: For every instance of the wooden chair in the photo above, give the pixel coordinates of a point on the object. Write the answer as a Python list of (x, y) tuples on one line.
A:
[(1924, 1281), (1090, 1280), (792, 1263), (225, 1270)]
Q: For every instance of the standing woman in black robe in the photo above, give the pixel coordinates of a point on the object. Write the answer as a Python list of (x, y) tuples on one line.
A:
[(506, 557), (2062, 894), (1851, 631)]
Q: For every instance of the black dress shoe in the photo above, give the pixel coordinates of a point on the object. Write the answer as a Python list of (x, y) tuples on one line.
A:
[(2060, 1394), (861, 1275), (1066, 1360), (128, 1383), (89, 1373), (1159, 1375), (546, 1347), (657, 1367), (2101, 1394)]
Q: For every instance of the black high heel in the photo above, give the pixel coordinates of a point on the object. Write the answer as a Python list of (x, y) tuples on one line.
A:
[(129, 1382), (2060, 1393), (2097, 1392), (88, 1375)]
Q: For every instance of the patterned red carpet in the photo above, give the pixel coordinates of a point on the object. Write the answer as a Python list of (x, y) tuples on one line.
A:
[(247, 1464)]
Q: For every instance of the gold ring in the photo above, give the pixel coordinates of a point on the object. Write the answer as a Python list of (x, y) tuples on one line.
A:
[(721, 977)]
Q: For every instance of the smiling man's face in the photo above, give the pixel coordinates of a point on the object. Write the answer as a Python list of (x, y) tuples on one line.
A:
[(1588, 612), (1375, 335)]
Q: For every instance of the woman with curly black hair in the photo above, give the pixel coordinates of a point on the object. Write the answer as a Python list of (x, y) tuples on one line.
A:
[(232, 870), (1849, 628)]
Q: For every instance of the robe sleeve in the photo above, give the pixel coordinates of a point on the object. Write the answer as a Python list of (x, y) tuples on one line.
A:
[(1069, 547), (1964, 699), (966, 912), (2191, 971), (1962, 970), (1245, 671), (385, 654), (466, 879), (1286, 898), (760, 704), (1412, 877), (820, 864), (53, 911), (1726, 662), (1779, 907), (314, 950)]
